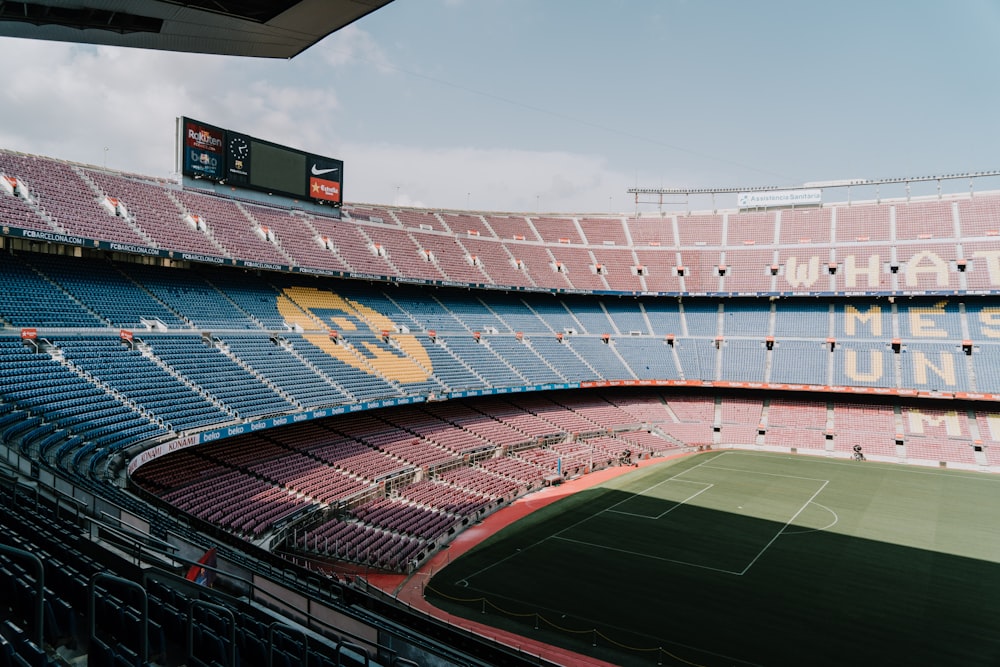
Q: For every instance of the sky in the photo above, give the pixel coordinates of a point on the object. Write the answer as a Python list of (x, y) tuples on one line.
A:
[(553, 105)]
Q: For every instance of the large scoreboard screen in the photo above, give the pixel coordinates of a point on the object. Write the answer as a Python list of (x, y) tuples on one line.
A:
[(224, 156)]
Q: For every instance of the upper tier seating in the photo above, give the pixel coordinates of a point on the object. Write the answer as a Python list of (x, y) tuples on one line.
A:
[(943, 243), (67, 200), (300, 238), (404, 253), (619, 269), (604, 231), (232, 228), (802, 226), (556, 230), (512, 227), (354, 247), (464, 223), (497, 261), (579, 267), (540, 265), (656, 231), (15, 211), (157, 213)]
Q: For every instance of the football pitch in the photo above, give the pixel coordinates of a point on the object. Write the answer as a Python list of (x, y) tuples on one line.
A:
[(750, 558)]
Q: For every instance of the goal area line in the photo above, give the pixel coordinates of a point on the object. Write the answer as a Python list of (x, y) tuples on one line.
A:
[(706, 486)]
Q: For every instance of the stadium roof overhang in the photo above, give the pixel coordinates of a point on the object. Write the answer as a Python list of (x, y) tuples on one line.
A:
[(261, 28)]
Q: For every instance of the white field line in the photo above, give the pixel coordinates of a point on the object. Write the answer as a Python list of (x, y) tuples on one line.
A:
[(665, 512), (836, 520), (771, 474), (640, 554), (787, 523), (705, 464), (904, 469), (587, 518), (625, 500)]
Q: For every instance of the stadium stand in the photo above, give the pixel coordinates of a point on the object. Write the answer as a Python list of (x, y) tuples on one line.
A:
[(469, 223), (797, 226), (70, 204), (29, 299), (795, 319), (799, 362), (651, 231), (496, 261), (627, 316), (591, 316), (475, 315), (579, 266), (604, 231), (556, 230), (646, 361), (511, 227), (541, 266), (158, 214), (102, 288), (307, 390), (525, 359), (700, 230), (664, 318)]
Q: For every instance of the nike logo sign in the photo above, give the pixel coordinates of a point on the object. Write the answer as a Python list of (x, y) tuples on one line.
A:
[(320, 172)]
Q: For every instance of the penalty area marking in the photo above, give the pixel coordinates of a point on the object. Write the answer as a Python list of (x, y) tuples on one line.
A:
[(782, 530), (639, 554), (769, 474), (753, 561), (665, 512), (588, 518), (828, 526)]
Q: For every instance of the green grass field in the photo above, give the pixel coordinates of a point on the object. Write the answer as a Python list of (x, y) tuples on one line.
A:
[(747, 558)]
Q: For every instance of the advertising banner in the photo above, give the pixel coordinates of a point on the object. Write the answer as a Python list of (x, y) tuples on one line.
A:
[(325, 178), (204, 150)]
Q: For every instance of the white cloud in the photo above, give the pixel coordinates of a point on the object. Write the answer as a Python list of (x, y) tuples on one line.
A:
[(489, 179), (293, 115), (351, 45), (72, 102)]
